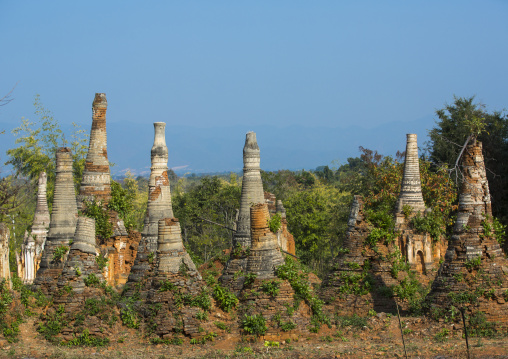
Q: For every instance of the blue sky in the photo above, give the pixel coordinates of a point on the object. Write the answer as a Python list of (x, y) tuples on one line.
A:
[(210, 64)]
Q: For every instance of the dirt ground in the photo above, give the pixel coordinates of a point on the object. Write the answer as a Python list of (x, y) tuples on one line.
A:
[(380, 338)]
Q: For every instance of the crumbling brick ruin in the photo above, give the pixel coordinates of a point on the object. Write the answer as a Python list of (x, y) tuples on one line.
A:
[(81, 264), (351, 286), (169, 299), (5, 272), (262, 293), (175, 278), (362, 274), (475, 271), (159, 207), (96, 183), (252, 193), (62, 226), (285, 239), (33, 243)]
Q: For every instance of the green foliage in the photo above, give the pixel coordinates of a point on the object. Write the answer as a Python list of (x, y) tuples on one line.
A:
[(473, 263), (95, 210), (223, 326), (254, 324), (462, 118), (92, 280), (480, 327), (202, 315), (271, 287), (292, 271), (442, 336), (5, 297), (225, 299), (317, 216), (59, 253), (214, 199), (432, 223), (129, 317), (85, 339), (167, 285), (275, 223), (357, 283), (384, 224), (122, 201), (353, 321), (52, 324), (37, 144), (102, 261), (249, 279)]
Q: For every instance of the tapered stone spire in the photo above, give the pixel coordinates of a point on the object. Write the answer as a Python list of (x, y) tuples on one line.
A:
[(96, 182), (252, 190), (63, 222), (159, 192), (473, 248), (158, 207), (264, 254), (41, 217), (411, 189)]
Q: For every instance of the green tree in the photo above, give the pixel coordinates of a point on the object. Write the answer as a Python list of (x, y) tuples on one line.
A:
[(37, 144), (464, 118), (211, 199), (317, 218)]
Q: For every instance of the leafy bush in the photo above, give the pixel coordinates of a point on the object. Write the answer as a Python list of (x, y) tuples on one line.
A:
[(432, 223), (271, 287), (95, 210), (85, 339), (275, 223), (254, 324), (354, 321), (473, 263), (92, 280), (225, 299), (102, 261), (249, 279), (59, 253), (122, 202)]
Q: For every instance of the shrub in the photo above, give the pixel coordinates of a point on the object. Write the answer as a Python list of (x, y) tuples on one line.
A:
[(102, 261), (275, 223), (59, 253), (254, 324), (225, 299), (95, 210), (271, 287)]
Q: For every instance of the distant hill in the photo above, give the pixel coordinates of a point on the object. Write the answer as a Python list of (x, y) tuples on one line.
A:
[(219, 149)]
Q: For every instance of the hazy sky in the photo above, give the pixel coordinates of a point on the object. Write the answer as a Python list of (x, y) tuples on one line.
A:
[(222, 63)]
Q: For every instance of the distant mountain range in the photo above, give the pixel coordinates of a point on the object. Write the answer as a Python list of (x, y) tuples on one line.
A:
[(219, 149)]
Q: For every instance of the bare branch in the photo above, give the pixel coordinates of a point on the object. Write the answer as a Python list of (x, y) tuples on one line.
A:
[(7, 98)]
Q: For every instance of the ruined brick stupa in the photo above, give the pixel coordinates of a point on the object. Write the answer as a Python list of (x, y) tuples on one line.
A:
[(80, 265), (264, 254), (62, 225), (96, 182), (33, 244), (475, 267), (252, 193), (411, 188), (174, 272), (159, 206)]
